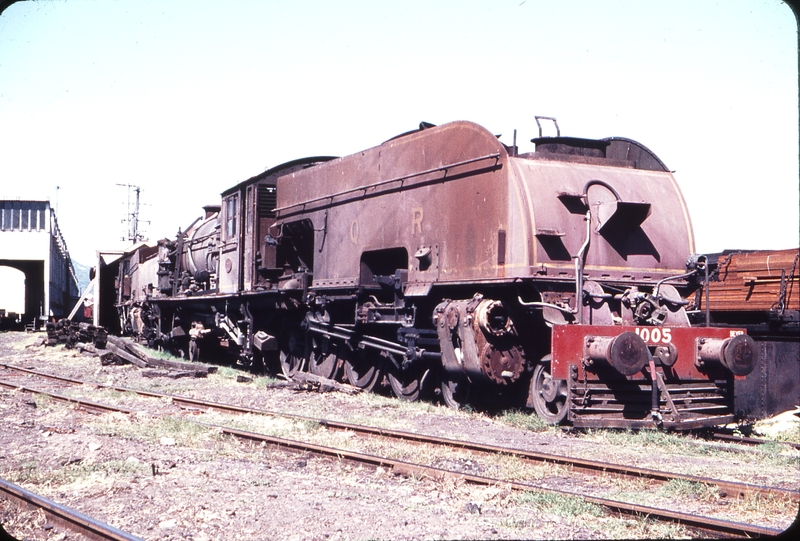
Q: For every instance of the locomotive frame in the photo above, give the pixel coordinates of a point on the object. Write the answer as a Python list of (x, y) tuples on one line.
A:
[(444, 260)]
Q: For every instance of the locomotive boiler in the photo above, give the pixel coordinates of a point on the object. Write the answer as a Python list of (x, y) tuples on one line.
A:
[(444, 261)]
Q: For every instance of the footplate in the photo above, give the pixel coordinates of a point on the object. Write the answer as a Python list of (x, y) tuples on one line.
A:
[(629, 404)]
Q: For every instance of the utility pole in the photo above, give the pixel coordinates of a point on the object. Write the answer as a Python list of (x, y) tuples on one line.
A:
[(132, 216)]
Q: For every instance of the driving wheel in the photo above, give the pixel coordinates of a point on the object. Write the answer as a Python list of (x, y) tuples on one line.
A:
[(292, 356), (363, 368), (455, 390), (407, 384), (323, 360)]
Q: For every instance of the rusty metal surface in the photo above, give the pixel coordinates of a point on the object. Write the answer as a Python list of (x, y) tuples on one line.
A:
[(756, 281), (693, 392), (569, 348), (74, 520), (550, 197), (479, 341), (514, 205), (199, 246), (582, 239), (760, 291), (621, 148), (411, 215)]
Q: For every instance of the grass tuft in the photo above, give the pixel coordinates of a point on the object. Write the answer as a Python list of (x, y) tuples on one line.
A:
[(184, 432), (559, 504), (80, 473), (42, 401), (526, 421), (681, 488)]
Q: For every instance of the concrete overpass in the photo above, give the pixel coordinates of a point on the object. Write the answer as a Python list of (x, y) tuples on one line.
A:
[(31, 242)]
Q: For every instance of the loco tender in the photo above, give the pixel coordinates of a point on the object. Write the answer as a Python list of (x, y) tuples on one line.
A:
[(444, 260)]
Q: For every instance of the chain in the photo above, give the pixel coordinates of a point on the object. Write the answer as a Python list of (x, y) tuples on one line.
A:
[(724, 263), (585, 398), (780, 304), (698, 295)]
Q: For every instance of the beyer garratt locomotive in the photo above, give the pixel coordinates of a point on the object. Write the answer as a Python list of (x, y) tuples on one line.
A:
[(561, 279)]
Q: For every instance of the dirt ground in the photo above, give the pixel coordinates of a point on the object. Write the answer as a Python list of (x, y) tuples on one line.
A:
[(165, 483)]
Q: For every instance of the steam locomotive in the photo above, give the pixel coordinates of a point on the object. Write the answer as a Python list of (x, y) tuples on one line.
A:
[(443, 261)]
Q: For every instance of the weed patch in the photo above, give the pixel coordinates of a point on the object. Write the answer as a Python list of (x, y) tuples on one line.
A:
[(526, 421), (186, 433), (559, 504), (681, 489), (43, 402)]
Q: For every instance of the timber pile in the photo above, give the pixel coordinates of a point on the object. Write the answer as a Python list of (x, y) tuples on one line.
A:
[(106, 356), (757, 281), (174, 374), (133, 353), (96, 341), (304, 381), (71, 333)]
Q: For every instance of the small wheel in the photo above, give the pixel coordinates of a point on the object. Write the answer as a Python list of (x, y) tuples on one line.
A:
[(363, 369), (323, 360), (292, 356), (550, 396), (455, 391), (407, 384)]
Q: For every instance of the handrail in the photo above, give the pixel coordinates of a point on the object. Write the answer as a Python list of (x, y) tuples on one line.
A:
[(303, 204)]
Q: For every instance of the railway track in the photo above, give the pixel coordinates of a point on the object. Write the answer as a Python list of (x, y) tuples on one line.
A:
[(70, 519), (708, 524), (724, 436), (728, 488)]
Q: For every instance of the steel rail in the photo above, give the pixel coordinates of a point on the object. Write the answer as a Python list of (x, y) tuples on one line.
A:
[(729, 488), (80, 402), (750, 441), (710, 524), (69, 518)]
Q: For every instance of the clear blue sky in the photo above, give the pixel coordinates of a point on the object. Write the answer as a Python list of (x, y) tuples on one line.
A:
[(186, 98)]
